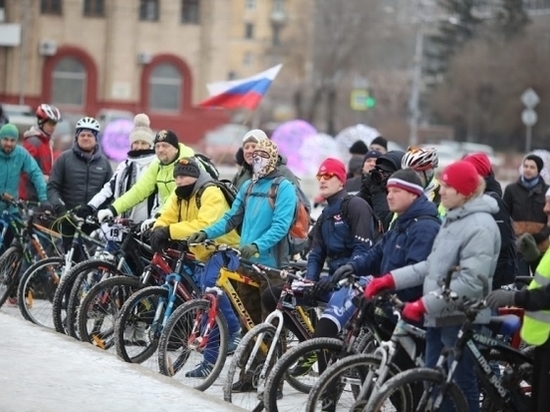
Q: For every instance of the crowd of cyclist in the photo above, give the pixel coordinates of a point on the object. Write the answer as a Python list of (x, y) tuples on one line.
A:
[(404, 227)]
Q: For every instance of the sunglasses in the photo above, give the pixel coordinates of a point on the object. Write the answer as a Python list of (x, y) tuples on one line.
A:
[(260, 153), (325, 176)]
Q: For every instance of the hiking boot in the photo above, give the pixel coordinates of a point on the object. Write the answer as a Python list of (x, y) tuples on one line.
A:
[(202, 370), (233, 342), (242, 386), (304, 365)]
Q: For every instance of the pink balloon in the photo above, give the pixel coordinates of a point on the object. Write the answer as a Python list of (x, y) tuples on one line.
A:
[(289, 137), (115, 140)]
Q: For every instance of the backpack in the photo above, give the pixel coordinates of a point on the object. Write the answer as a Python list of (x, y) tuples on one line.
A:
[(299, 229), (208, 165), (228, 189)]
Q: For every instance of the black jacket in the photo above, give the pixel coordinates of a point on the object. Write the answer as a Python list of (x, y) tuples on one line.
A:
[(533, 300), (76, 178)]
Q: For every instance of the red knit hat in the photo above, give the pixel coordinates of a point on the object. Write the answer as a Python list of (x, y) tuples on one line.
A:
[(334, 166), (461, 176), (481, 162)]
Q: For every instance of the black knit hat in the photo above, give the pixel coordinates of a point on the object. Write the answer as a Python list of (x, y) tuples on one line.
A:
[(167, 136), (186, 166), (359, 148), (538, 161), (381, 142)]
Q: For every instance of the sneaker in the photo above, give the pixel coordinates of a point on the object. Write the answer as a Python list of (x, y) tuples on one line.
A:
[(304, 365), (202, 370), (242, 386), (328, 406), (11, 302), (233, 343)]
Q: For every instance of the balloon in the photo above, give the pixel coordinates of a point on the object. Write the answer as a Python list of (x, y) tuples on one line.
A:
[(350, 135), (289, 137), (115, 139), (315, 149)]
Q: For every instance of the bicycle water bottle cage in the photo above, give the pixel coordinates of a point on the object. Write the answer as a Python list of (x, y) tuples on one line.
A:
[(505, 325)]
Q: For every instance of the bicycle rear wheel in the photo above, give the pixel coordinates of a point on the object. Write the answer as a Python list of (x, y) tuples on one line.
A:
[(431, 380), (178, 344), (37, 289)]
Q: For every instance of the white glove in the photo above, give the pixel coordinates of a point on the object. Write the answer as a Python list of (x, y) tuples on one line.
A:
[(147, 224), (104, 214)]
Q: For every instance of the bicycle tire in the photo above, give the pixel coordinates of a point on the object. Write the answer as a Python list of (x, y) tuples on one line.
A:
[(83, 310), (241, 356), (353, 362), (63, 291), (163, 358), (292, 356), (123, 319), (74, 296), (24, 288), (409, 378), (11, 261)]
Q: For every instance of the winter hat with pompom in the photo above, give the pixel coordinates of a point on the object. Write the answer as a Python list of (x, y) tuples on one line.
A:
[(141, 130)]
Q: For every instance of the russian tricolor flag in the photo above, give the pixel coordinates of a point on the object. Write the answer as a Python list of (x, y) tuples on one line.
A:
[(241, 94)]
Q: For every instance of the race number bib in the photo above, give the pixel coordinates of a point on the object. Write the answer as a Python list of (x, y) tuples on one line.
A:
[(112, 232)]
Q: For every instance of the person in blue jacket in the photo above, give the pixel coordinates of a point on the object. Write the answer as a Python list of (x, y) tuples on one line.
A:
[(409, 241), (15, 160), (265, 222)]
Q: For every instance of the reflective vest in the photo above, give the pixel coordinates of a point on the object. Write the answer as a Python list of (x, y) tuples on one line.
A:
[(536, 325)]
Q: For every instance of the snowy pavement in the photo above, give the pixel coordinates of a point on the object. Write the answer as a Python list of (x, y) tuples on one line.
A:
[(43, 371)]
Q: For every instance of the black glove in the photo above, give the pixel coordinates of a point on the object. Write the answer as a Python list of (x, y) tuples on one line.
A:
[(84, 211), (197, 237), (539, 237), (323, 286), (46, 207), (343, 272), (249, 251), (159, 238)]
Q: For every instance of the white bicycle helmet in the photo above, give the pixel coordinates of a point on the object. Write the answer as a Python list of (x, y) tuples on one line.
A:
[(88, 123), (420, 159), (46, 112)]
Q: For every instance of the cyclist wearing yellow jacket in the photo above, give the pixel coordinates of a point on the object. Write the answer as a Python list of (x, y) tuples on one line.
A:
[(158, 176), (195, 205)]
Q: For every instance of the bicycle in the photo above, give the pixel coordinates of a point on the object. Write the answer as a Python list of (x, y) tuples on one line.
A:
[(108, 296), (151, 307), (507, 393), (265, 343), (25, 245), (203, 325)]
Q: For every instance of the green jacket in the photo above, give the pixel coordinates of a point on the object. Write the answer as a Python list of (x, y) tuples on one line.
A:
[(157, 177)]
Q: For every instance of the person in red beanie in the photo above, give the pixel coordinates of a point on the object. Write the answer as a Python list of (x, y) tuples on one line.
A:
[(344, 231), (507, 265), (468, 239)]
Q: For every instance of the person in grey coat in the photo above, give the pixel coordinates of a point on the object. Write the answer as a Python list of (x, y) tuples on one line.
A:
[(469, 239)]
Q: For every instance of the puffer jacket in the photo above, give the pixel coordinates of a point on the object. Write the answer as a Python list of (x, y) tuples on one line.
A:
[(184, 218), (76, 178), (12, 165), (410, 241), (38, 144), (262, 225), (125, 177), (469, 238), (246, 173), (158, 177)]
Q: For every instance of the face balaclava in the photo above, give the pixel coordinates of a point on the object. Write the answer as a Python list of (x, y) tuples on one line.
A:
[(262, 166)]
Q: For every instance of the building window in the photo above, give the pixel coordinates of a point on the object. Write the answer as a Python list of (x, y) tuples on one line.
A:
[(149, 10), (278, 6), (249, 31), (247, 59), (50, 6), (68, 82), (276, 35), (231, 75), (165, 85), (190, 11), (94, 8), (250, 4)]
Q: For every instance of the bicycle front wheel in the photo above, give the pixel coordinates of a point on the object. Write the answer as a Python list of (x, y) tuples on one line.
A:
[(10, 263), (185, 336), (433, 382)]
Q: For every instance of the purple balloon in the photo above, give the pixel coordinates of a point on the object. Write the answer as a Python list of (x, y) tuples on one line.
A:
[(115, 140), (289, 137)]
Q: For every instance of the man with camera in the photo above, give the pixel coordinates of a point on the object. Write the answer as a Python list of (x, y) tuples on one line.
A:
[(373, 188)]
